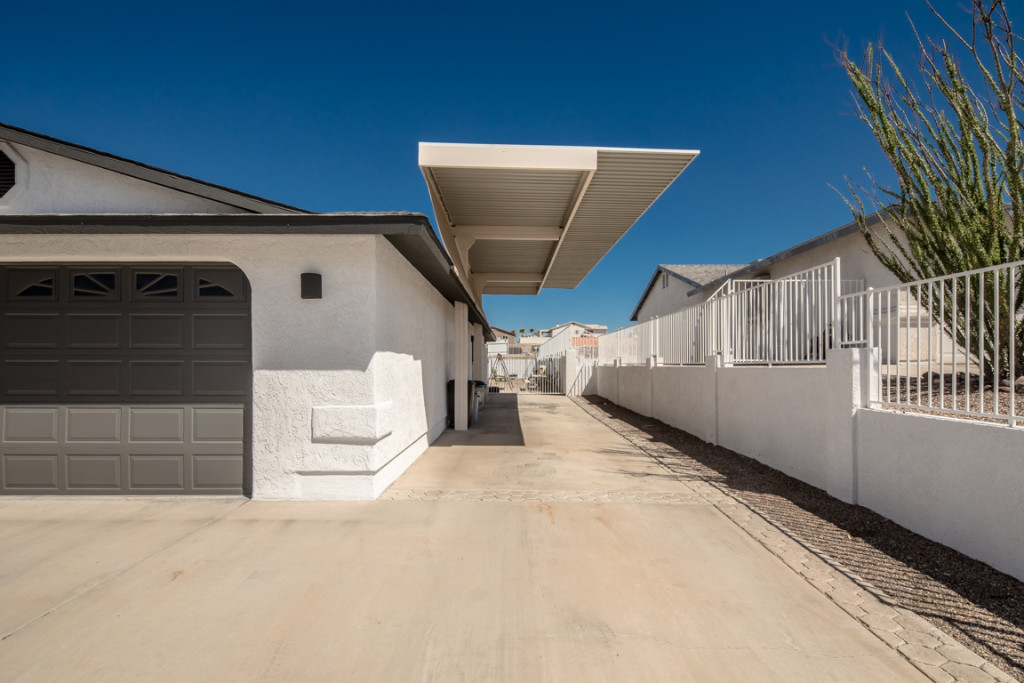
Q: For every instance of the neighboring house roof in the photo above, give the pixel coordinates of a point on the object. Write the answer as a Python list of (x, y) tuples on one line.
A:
[(699, 274), (410, 233), (498, 332), (152, 174), (693, 275)]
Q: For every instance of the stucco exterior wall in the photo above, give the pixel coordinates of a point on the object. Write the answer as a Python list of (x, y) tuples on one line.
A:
[(966, 477), (857, 261), (338, 389), (635, 388), (776, 416), (664, 300), (56, 184), (409, 366), (684, 397)]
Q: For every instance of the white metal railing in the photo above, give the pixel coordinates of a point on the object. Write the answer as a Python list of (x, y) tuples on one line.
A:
[(945, 344), (785, 321)]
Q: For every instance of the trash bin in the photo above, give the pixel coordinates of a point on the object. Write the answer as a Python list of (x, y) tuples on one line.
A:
[(479, 396), (470, 402)]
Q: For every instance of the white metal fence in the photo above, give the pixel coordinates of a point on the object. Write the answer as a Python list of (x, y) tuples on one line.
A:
[(525, 374), (951, 344), (786, 321)]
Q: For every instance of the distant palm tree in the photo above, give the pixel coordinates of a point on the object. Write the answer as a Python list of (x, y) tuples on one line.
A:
[(532, 331), (522, 331)]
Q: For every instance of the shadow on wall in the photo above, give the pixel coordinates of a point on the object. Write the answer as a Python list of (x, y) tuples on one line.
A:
[(497, 425), (922, 575)]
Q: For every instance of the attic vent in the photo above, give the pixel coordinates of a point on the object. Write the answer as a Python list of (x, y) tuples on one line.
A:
[(6, 174)]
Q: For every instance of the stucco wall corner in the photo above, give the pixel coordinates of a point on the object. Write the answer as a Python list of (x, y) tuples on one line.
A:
[(352, 424)]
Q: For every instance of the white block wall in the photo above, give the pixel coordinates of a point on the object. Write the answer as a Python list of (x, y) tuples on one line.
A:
[(958, 482)]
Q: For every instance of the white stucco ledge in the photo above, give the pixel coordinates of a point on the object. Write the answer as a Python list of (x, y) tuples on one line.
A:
[(351, 424)]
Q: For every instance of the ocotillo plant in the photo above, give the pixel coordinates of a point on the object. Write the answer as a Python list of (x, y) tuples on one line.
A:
[(958, 155)]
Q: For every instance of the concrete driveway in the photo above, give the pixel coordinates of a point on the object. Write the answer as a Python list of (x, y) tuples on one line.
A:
[(538, 546)]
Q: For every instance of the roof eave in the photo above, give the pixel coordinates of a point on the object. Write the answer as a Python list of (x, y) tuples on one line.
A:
[(410, 234)]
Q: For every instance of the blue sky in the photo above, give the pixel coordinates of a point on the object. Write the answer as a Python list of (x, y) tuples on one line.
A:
[(321, 105)]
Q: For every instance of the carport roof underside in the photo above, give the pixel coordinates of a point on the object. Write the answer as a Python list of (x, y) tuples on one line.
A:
[(518, 218)]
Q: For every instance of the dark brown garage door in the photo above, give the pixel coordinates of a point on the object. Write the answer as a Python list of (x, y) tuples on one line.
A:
[(124, 379)]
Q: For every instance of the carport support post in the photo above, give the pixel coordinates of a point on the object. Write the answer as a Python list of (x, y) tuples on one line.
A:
[(460, 364), (479, 357)]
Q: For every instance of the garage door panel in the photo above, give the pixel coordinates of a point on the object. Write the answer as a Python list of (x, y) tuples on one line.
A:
[(94, 377), (30, 471), (156, 425), (157, 284), (95, 284), (216, 471), (30, 424), (94, 330), (157, 471), (157, 378), (31, 283), (157, 331), (32, 378), (31, 331), (94, 472), (94, 425), (220, 378), (124, 378), (220, 331), (217, 424), (221, 284)]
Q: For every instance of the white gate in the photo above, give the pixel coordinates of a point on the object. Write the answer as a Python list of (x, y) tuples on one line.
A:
[(586, 365), (514, 374)]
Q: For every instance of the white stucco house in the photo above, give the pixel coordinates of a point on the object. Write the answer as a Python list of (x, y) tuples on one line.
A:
[(675, 287), (164, 335), (575, 329), (669, 288)]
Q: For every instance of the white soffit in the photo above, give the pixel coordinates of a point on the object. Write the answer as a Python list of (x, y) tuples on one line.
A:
[(516, 218)]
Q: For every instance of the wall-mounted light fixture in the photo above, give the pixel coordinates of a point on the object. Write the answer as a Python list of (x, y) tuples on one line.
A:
[(312, 286)]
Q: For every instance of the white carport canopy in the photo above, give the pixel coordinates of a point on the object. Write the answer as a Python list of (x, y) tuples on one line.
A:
[(517, 218)]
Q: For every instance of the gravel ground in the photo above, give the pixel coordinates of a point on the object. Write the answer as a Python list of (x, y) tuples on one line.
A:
[(949, 392), (976, 604)]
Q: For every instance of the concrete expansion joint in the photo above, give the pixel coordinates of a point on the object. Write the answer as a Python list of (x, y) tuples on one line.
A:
[(520, 495), (932, 651)]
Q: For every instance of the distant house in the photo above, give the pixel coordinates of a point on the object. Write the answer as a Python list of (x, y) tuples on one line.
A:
[(669, 288), (673, 288), (575, 329), (526, 345), (502, 338), (859, 269)]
